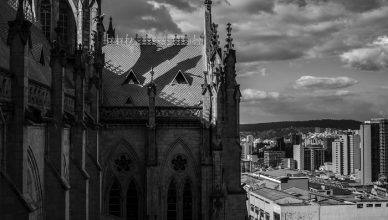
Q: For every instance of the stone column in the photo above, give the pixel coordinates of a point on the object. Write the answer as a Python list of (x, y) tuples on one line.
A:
[(79, 178), (57, 155), (151, 156)]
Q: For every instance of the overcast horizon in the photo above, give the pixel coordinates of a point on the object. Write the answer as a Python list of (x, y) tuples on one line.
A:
[(297, 59)]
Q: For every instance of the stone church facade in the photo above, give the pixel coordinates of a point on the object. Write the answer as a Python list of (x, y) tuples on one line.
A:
[(93, 126)]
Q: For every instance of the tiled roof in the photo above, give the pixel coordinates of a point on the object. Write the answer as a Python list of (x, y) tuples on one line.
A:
[(166, 61), (38, 72)]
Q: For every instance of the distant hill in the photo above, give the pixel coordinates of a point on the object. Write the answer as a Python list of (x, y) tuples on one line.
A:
[(324, 123)]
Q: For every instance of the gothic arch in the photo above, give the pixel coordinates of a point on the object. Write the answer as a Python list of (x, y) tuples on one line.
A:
[(114, 197), (136, 200), (131, 159), (188, 199), (34, 186), (172, 200), (186, 149)]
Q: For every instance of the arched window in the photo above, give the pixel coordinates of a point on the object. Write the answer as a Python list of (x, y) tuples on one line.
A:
[(187, 202), (115, 199), (172, 202), (45, 18), (132, 202), (86, 23), (63, 20)]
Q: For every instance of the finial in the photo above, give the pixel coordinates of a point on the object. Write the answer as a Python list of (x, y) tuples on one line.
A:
[(111, 32), (208, 4), (20, 11), (152, 74), (229, 39)]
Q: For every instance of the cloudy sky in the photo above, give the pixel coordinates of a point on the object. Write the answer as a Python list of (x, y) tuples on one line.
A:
[(297, 59)]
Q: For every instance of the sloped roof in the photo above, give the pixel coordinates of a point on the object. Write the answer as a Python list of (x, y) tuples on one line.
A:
[(166, 61), (37, 71)]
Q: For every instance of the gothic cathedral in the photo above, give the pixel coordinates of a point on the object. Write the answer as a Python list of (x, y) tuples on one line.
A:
[(93, 126)]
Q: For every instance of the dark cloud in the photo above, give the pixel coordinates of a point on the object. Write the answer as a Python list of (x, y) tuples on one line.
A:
[(277, 106), (351, 5), (361, 5), (259, 6), (185, 5), (133, 16)]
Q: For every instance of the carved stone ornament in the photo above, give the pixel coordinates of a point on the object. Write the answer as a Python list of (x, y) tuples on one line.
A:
[(179, 163), (122, 163)]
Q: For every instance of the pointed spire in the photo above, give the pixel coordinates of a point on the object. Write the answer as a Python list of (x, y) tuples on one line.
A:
[(152, 74), (208, 4), (111, 32), (229, 40), (151, 87), (20, 12), (20, 26)]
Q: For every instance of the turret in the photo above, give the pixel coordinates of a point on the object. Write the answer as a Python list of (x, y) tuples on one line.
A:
[(111, 33), (19, 42)]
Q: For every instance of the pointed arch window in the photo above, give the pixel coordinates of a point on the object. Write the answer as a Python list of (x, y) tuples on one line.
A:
[(179, 78), (187, 201), (115, 199), (45, 18), (132, 202), (172, 201), (86, 23), (63, 22)]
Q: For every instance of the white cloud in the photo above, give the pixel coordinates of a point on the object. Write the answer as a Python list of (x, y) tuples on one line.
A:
[(253, 94), (314, 83), (372, 57)]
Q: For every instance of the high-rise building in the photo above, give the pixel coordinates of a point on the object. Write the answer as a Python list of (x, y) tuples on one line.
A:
[(383, 146), (247, 147), (299, 156), (296, 139), (373, 146), (337, 157), (327, 144), (273, 158), (313, 157), (280, 144), (346, 155), (288, 163)]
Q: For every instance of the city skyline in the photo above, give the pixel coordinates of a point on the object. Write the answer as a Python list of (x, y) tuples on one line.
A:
[(297, 60)]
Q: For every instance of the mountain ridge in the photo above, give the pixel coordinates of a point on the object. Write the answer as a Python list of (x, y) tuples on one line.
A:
[(343, 124)]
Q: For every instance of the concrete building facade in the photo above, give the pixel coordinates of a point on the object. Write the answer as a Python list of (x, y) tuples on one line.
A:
[(271, 204), (273, 158), (299, 156)]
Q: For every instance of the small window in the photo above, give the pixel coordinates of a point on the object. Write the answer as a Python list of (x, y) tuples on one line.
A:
[(369, 205), (377, 205), (129, 101), (360, 206), (276, 216), (131, 78), (179, 79)]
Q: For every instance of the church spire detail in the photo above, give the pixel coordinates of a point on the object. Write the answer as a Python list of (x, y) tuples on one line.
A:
[(111, 32), (229, 40)]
